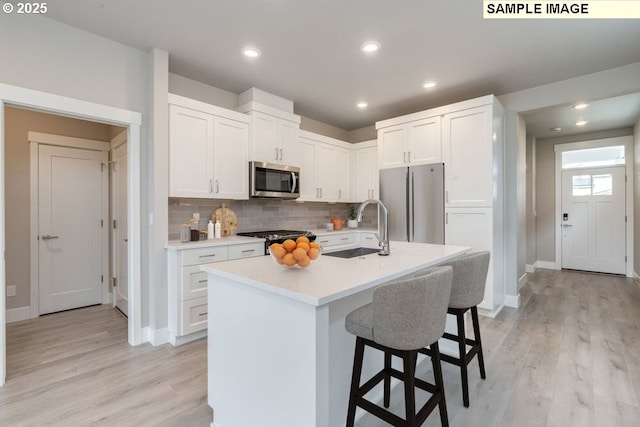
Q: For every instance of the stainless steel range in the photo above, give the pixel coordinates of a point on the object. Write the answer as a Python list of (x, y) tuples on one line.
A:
[(277, 236)]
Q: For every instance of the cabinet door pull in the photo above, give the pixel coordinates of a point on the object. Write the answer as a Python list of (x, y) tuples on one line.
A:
[(339, 194), (373, 194), (210, 186), (207, 256), (404, 157), (217, 187), (246, 251), (446, 196), (344, 238), (276, 154), (203, 281), (409, 156), (321, 192), (446, 218), (203, 314), (281, 154)]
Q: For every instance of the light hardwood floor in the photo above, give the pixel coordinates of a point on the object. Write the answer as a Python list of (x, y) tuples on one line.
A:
[(569, 357)]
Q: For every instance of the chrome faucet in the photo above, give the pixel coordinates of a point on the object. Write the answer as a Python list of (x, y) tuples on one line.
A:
[(383, 222)]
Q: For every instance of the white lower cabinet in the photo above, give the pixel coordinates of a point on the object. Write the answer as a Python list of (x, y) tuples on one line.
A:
[(368, 239), (330, 241), (474, 227), (187, 286)]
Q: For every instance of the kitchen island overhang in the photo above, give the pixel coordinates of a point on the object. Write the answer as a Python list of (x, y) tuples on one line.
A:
[(278, 353)]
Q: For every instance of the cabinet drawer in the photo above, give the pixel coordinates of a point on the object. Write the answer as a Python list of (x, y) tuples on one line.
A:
[(369, 240), (203, 255), (246, 250), (336, 239), (194, 315), (194, 282)]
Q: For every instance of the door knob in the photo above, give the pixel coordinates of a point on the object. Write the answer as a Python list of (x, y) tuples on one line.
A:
[(48, 237), (567, 225)]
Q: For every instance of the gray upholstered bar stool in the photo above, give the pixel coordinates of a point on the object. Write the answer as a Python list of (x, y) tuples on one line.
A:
[(404, 317), (467, 291)]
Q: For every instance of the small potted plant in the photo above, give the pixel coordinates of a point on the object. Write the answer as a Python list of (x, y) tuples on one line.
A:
[(352, 223)]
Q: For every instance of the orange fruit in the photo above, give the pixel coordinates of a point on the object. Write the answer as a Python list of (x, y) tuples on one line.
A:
[(289, 245), (314, 245), (304, 261), (277, 251), (302, 239), (314, 253), (288, 259), (299, 253), (303, 245)]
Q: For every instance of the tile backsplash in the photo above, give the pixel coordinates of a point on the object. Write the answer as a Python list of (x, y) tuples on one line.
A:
[(261, 214)]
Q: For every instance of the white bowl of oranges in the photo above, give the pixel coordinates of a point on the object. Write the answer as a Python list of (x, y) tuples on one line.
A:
[(295, 253)]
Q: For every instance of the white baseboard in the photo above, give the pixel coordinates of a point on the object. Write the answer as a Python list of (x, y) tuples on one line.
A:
[(546, 264), (18, 314), (176, 341), (529, 268), (155, 336), (490, 313), (512, 301), (522, 280)]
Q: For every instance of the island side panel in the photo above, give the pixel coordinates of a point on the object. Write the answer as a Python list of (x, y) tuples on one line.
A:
[(263, 358)]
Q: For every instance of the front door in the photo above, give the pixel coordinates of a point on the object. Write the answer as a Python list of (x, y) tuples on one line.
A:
[(593, 219), (69, 228), (120, 227)]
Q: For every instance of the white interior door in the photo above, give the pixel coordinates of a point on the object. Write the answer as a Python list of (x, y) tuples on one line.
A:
[(593, 219), (120, 228), (69, 228)]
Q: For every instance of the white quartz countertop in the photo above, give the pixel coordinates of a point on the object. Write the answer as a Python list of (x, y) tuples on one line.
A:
[(224, 241), (330, 278)]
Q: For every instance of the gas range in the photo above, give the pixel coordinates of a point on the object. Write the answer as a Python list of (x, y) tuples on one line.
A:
[(277, 236)]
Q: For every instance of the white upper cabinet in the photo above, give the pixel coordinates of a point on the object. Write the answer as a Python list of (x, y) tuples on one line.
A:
[(325, 168), (365, 174), (467, 140), (190, 152), (208, 151), (274, 134), (230, 150), (413, 143), (273, 139)]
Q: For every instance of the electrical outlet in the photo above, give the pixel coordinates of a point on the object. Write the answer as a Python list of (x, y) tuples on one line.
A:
[(11, 291)]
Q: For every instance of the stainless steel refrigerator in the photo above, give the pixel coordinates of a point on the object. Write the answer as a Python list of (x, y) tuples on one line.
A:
[(414, 197)]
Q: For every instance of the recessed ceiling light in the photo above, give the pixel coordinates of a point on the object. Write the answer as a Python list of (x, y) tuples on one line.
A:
[(580, 106), (556, 130), (362, 104), (581, 123), (429, 85), (251, 52), (370, 47)]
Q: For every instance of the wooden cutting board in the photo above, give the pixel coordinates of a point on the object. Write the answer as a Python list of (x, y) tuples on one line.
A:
[(228, 220)]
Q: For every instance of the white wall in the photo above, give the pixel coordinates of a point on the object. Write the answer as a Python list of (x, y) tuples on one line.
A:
[(532, 254), (636, 197), (51, 57), (604, 84), (546, 187)]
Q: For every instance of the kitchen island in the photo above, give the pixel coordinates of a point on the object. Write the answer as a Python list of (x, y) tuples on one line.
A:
[(278, 353)]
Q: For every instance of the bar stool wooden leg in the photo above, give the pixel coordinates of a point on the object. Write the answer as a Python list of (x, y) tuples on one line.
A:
[(462, 348), (387, 379), (476, 333), (409, 387), (439, 382), (355, 381)]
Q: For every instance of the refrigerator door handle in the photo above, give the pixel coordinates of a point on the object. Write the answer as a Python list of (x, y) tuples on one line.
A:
[(413, 207)]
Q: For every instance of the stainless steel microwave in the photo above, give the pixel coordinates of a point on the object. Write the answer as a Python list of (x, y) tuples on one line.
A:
[(270, 180)]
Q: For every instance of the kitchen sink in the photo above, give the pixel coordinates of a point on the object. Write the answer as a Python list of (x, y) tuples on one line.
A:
[(352, 253)]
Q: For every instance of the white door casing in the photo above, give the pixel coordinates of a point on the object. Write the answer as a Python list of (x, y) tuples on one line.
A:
[(71, 107), (119, 227), (70, 221), (593, 219)]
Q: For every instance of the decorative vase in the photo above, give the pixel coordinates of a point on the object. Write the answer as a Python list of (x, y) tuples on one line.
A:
[(352, 223)]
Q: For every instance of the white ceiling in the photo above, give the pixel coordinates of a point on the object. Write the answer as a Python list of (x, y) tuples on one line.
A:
[(311, 50)]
